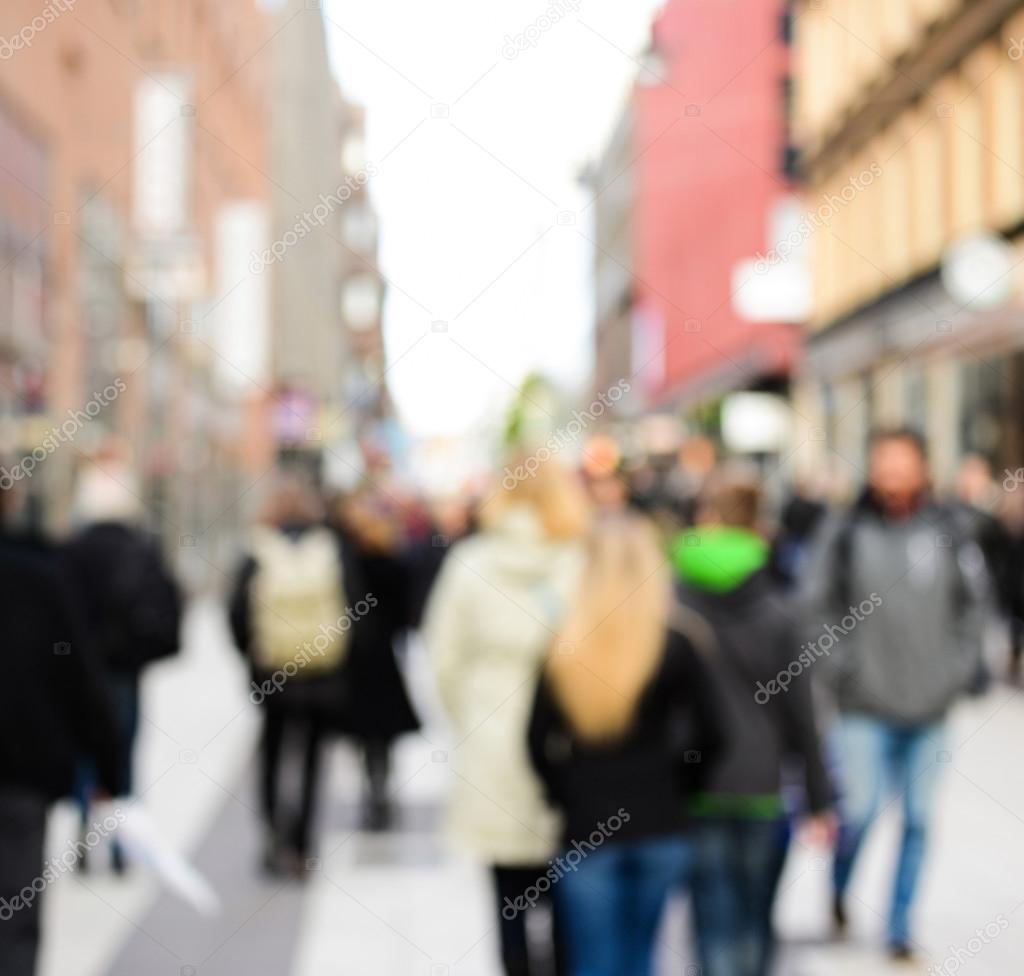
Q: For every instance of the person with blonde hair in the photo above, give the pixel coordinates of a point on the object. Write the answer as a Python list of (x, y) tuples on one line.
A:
[(624, 729), (497, 606)]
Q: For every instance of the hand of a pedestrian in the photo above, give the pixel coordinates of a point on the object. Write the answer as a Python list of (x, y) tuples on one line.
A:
[(821, 830)]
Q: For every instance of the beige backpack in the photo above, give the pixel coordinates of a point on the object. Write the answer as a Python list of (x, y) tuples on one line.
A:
[(298, 602)]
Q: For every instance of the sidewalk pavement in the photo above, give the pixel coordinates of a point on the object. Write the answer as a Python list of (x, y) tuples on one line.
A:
[(402, 903)]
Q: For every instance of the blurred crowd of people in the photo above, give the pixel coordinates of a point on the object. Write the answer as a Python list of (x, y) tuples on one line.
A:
[(657, 680), (661, 685)]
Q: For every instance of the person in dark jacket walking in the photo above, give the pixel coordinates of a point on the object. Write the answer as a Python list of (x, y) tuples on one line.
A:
[(800, 517), (978, 511), (289, 616), (377, 706), (451, 519), (893, 588), (131, 608), (742, 832), (1011, 586), (624, 729), (53, 709)]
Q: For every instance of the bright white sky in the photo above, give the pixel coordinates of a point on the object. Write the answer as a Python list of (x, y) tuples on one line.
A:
[(469, 203)]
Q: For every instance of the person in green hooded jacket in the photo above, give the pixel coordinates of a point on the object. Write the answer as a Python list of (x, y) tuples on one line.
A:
[(756, 657)]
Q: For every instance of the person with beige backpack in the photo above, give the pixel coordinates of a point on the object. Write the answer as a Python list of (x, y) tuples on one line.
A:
[(289, 615)]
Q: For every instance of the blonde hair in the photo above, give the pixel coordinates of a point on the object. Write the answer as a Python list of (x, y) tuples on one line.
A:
[(550, 490), (613, 637)]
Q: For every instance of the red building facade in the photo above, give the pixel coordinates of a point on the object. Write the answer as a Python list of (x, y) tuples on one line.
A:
[(709, 177)]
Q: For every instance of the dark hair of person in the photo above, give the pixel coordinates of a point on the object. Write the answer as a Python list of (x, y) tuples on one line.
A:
[(909, 435), (732, 496)]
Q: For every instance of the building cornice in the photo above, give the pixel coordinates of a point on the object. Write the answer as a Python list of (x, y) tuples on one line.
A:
[(909, 79)]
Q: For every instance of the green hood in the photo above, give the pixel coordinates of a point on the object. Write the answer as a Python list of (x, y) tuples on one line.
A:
[(718, 558)]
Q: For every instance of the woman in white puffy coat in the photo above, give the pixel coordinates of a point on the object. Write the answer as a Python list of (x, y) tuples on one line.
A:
[(496, 609)]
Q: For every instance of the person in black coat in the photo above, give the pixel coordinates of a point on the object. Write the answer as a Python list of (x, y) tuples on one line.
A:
[(450, 520), (625, 727), (53, 708), (987, 517), (799, 520), (131, 609), (1012, 590), (378, 709)]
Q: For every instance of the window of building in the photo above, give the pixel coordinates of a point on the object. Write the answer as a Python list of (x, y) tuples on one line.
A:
[(1004, 135), (983, 408), (786, 23), (359, 228), (927, 188), (915, 395), (894, 191), (965, 133)]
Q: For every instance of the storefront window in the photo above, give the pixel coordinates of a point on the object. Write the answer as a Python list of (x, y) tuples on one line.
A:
[(915, 396), (983, 385)]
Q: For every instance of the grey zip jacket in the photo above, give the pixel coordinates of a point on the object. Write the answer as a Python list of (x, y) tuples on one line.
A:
[(894, 613)]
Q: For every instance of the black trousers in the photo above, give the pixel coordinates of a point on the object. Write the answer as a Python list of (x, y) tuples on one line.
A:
[(1016, 643), (523, 952), (22, 831), (377, 764), (291, 741)]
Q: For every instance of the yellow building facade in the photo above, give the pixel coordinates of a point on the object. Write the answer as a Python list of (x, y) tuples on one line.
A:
[(909, 116)]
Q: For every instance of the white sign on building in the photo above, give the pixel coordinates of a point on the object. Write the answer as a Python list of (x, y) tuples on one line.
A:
[(163, 137)]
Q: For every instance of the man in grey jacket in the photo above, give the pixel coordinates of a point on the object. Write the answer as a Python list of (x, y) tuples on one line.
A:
[(897, 597)]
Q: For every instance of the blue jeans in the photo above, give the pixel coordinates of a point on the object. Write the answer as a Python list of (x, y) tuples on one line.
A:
[(736, 872), (124, 696), (611, 905), (876, 756)]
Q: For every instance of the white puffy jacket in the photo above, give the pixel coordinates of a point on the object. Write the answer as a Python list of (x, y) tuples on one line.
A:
[(492, 618)]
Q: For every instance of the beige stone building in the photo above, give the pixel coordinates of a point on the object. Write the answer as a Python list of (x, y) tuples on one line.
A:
[(908, 115)]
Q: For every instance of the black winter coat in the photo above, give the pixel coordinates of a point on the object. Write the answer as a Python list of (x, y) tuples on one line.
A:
[(377, 703), (423, 563), (131, 604), (650, 772), (757, 637), (53, 702)]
